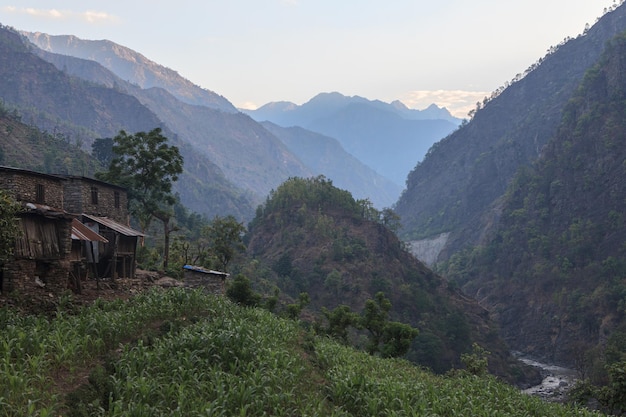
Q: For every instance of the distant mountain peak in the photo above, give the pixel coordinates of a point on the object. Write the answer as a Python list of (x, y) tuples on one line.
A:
[(131, 66), (391, 138), (400, 105), (279, 106)]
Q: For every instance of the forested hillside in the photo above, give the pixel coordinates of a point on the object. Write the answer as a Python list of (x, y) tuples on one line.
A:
[(27, 147), (554, 269), (455, 188), (312, 237)]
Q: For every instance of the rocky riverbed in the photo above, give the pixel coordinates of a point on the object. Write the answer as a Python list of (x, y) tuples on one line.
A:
[(557, 381)]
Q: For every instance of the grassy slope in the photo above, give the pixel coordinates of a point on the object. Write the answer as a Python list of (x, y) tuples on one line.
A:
[(182, 353)]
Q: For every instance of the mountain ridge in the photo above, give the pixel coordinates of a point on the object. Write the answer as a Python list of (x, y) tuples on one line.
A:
[(326, 156), (247, 154), (455, 188), (131, 66), (560, 244), (83, 111), (390, 138)]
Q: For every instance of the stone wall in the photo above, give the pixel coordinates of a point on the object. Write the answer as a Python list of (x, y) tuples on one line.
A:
[(27, 275), (79, 199), (23, 186), (214, 284)]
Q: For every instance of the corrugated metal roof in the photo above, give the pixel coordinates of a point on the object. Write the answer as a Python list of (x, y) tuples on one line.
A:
[(82, 232), (112, 224), (204, 270)]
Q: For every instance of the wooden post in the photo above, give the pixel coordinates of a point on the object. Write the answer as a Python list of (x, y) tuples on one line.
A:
[(95, 265)]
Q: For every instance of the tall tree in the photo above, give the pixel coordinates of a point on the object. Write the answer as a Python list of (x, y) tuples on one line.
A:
[(388, 338), (147, 166), (102, 150), (225, 236)]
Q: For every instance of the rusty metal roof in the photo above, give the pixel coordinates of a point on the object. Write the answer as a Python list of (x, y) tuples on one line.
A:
[(112, 224), (82, 232)]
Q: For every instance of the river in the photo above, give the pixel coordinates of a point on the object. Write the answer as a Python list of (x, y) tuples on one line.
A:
[(557, 381)]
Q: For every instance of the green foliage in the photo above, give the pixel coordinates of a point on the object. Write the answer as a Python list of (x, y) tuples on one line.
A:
[(33, 349), (147, 166), (240, 291), (225, 239), (339, 320), (613, 396), (9, 225), (284, 265), (364, 385), (293, 310), (476, 362), (102, 150), (389, 339), (317, 193), (297, 195), (210, 357)]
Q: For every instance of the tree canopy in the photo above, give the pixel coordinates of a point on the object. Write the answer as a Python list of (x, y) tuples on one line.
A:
[(147, 166), (225, 236)]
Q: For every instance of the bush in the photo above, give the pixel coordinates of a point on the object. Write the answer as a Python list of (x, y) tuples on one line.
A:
[(240, 291)]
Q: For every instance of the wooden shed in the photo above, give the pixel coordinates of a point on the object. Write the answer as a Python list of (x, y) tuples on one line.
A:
[(118, 256), (199, 277), (41, 256)]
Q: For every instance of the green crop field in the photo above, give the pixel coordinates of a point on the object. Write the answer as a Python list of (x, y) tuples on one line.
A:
[(185, 353)]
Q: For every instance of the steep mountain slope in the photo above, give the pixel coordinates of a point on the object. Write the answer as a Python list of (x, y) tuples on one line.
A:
[(57, 102), (81, 111), (454, 187), (554, 270), (24, 146), (390, 138), (131, 66), (325, 156), (311, 236), (246, 153)]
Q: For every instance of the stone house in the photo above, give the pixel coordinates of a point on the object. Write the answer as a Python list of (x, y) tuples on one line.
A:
[(55, 251), (103, 208), (198, 277)]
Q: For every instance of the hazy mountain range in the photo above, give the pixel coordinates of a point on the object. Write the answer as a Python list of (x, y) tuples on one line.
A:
[(245, 151), (372, 131)]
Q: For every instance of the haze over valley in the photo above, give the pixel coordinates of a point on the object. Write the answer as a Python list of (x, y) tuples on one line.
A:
[(498, 231)]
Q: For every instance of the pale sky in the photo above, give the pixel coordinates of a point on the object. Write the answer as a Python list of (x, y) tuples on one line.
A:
[(452, 53)]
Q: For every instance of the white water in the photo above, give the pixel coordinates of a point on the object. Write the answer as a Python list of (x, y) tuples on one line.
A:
[(556, 381)]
